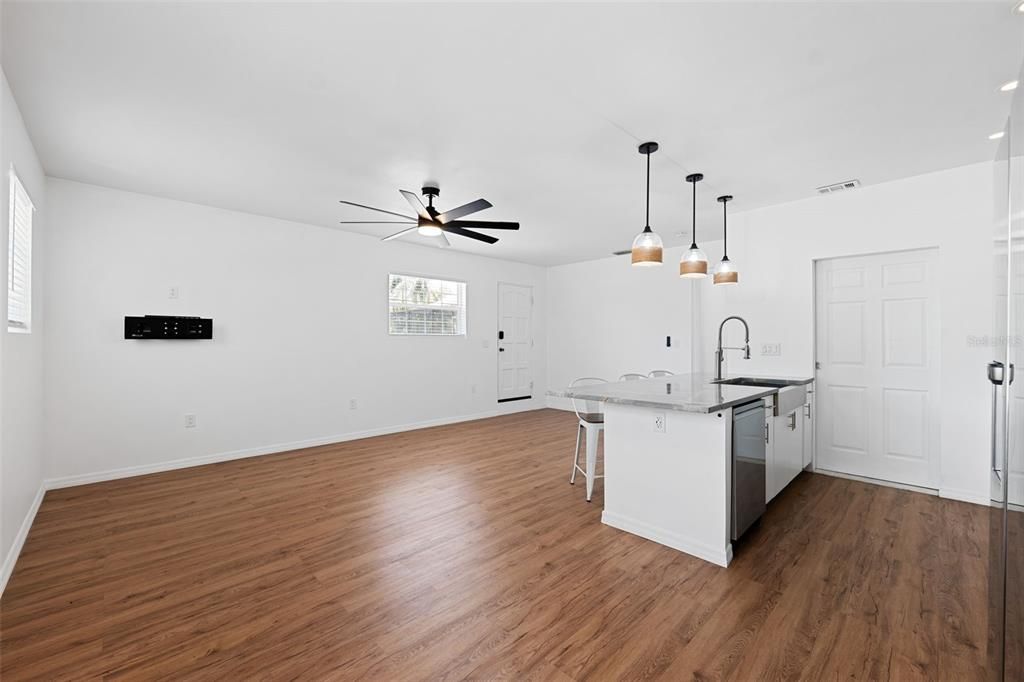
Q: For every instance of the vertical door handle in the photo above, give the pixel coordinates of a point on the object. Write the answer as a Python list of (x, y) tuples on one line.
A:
[(792, 421), (996, 376), (766, 434)]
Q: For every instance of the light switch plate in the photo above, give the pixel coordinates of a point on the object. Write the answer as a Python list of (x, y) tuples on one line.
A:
[(771, 349)]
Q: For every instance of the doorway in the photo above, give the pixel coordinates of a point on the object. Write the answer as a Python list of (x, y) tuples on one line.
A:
[(877, 350), (515, 342)]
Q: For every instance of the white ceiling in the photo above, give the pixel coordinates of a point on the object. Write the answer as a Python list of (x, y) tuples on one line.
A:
[(282, 109)]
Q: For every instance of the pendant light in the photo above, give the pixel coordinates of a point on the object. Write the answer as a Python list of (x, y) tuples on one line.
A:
[(647, 247), (725, 271), (694, 264)]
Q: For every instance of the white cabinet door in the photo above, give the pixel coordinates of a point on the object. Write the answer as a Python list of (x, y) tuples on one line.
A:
[(877, 388), (788, 450), (808, 416)]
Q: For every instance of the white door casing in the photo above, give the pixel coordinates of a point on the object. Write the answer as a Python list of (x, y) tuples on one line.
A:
[(515, 341), (877, 347)]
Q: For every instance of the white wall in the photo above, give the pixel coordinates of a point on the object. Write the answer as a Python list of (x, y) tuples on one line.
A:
[(21, 355), (775, 249), (300, 327), (607, 318)]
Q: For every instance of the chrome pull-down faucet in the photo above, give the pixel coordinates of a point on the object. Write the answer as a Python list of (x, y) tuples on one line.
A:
[(720, 352)]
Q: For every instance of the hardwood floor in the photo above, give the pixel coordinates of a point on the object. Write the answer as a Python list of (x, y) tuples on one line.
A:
[(462, 552)]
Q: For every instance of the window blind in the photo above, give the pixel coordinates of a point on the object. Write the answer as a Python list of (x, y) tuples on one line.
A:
[(421, 306), (19, 258)]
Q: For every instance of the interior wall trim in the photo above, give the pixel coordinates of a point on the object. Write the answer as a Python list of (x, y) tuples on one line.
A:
[(965, 496), (171, 465), (19, 540)]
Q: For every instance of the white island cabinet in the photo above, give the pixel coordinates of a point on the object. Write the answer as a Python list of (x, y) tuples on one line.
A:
[(668, 458), (785, 450)]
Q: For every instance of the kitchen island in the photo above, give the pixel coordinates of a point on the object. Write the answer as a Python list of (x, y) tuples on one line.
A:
[(668, 456)]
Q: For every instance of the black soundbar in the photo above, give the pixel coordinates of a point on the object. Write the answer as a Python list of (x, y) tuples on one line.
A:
[(168, 327)]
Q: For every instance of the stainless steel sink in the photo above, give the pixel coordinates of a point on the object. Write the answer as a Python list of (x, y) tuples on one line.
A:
[(755, 381)]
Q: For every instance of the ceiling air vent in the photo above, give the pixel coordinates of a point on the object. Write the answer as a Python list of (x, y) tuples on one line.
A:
[(839, 187)]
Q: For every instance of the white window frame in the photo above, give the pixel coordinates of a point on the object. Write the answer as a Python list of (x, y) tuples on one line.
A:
[(19, 196), (463, 332)]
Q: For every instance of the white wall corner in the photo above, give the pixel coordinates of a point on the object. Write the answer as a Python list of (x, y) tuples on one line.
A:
[(19, 540)]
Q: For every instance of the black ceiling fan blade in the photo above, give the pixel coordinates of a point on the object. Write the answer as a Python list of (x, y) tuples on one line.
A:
[(468, 233), (379, 210), (375, 222), (465, 209), (485, 224), (416, 204), (396, 235)]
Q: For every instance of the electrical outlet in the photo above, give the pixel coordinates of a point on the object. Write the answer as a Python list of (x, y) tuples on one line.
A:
[(173, 292), (353, 404), (659, 422), (486, 343), (772, 349), (191, 421)]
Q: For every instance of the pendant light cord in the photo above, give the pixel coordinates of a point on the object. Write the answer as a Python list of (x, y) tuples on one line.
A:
[(647, 214), (725, 231), (694, 222)]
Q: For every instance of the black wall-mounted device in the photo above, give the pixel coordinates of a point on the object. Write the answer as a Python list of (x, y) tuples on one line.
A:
[(167, 327)]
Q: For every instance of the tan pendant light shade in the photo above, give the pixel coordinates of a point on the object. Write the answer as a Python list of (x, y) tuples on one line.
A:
[(694, 263), (647, 249), (725, 271), (647, 246), (726, 275)]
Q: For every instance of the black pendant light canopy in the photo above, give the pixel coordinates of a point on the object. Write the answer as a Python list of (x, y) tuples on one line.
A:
[(725, 271), (647, 246), (694, 263)]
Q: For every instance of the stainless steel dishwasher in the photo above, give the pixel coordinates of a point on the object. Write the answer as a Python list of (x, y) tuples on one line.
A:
[(748, 466)]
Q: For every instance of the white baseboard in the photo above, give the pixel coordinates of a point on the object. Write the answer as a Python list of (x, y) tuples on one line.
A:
[(876, 481), (714, 555), (965, 496), (947, 493), (19, 540), (170, 465)]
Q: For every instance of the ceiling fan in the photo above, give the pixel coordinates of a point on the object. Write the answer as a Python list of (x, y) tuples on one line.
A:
[(430, 222)]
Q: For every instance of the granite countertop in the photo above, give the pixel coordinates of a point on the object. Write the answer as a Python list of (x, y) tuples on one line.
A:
[(682, 392)]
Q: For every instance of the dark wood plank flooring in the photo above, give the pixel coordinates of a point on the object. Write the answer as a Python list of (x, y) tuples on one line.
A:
[(462, 552)]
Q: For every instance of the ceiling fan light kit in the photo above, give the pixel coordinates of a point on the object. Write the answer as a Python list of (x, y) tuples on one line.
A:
[(647, 246), (430, 222)]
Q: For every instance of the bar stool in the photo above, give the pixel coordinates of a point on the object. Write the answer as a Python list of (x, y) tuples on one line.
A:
[(591, 416), (656, 373), (632, 376)]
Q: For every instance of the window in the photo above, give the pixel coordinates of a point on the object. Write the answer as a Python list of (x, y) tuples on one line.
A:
[(19, 259), (420, 306)]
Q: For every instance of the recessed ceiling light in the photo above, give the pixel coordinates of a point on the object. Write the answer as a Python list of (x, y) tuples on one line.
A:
[(1019, 7), (996, 136), (1006, 87)]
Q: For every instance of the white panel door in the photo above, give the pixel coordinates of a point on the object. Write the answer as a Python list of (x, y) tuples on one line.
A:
[(877, 346), (515, 342)]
